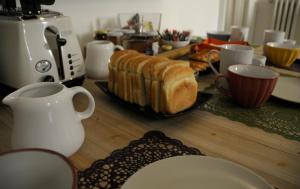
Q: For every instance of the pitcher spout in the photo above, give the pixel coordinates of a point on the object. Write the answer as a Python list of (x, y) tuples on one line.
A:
[(10, 99)]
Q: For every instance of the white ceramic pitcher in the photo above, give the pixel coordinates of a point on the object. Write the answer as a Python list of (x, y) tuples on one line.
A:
[(98, 55), (44, 117)]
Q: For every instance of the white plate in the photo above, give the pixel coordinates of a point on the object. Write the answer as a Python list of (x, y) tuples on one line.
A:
[(195, 172), (288, 88)]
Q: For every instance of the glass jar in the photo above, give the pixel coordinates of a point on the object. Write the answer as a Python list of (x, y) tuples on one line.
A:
[(142, 43), (101, 35), (115, 37)]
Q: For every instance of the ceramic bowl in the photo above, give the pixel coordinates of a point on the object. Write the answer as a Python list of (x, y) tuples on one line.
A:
[(176, 44), (250, 85), (220, 35), (36, 169), (282, 54)]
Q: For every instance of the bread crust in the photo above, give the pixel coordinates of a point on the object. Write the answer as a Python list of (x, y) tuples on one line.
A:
[(140, 82), (155, 84), (181, 95), (118, 87), (179, 89), (110, 78), (161, 75), (127, 77), (113, 75), (117, 54), (147, 70), (133, 77)]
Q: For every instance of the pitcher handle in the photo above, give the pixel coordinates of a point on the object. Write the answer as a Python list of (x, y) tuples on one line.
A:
[(118, 47), (210, 63), (91, 107)]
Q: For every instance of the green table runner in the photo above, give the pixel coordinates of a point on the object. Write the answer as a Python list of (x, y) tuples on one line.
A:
[(276, 116)]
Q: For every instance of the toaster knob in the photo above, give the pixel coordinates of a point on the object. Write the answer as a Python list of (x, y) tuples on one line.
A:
[(43, 66), (48, 78)]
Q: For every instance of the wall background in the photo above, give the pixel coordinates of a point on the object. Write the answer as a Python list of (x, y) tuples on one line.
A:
[(87, 16)]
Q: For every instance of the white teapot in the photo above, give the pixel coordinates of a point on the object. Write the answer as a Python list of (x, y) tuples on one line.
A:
[(44, 117)]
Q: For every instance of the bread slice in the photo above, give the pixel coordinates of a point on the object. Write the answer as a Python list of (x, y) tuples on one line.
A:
[(131, 77), (179, 89), (112, 67), (114, 61), (127, 95), (119, 85), (139, 81), (110, 77), (122, 69), (147, 70), (161, 76), (155, 84)]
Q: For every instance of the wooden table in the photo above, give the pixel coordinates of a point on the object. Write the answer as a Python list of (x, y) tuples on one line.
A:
[(111, 127)]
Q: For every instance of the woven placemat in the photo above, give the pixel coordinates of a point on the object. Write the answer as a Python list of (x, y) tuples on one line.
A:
[(276, 116), (114, 170)]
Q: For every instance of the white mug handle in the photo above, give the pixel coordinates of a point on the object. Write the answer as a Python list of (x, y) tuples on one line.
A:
[(210, 63), (91, 107), (220, 88), (119, 47)]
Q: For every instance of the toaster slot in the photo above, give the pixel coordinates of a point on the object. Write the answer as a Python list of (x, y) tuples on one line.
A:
[(55, 43)]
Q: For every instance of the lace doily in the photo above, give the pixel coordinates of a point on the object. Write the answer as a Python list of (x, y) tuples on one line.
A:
[(114, 170)]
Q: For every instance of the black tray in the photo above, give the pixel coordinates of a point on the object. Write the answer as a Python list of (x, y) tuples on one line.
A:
[(147, 110)]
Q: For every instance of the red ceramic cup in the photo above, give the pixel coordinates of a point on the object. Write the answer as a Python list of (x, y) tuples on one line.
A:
[(249, 85)]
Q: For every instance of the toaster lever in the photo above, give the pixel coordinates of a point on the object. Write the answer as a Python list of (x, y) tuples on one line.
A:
[(61, 41)]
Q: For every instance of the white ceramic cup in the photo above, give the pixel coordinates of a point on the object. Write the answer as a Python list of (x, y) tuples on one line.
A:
[(98, 55), (239, 33), (155, 48), (289, 41), (231, 54), (273, 36), (259, 60), (36, 169)]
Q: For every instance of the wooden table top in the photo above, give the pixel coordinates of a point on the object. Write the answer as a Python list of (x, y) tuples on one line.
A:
[(112, 127)]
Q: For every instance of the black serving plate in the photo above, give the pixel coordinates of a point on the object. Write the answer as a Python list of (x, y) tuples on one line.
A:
[(147, 110)]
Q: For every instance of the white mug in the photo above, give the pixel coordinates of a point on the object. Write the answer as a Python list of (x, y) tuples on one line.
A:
[(273, 36), (289, 41), (98, 55), (231, 54), (35, 169), (239, 33)]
